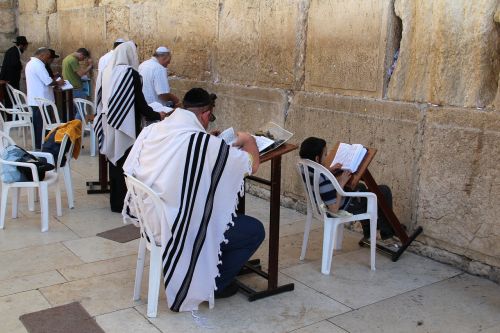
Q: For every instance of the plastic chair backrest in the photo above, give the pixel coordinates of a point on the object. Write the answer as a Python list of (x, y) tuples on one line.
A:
[(5, 141), (139, 194), (46, 113), (310, 173), (82, 105), (65, 141), (10, 92)]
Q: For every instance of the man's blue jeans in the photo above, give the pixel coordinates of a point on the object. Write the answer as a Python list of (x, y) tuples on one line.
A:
[(78, 93), (244, 238)]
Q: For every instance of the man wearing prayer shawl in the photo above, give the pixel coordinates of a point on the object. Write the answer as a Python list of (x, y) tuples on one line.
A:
[(198, 178), (120, 105)]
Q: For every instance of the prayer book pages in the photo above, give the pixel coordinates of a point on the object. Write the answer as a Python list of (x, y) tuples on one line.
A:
[(66, 85), (275, 136), (158, 107), (350, 156), (229, 136)]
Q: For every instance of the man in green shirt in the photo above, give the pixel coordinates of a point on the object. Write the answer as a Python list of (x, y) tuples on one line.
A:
[(72, 72)]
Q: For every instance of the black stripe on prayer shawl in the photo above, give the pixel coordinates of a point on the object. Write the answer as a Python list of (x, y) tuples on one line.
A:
[(219, 166), (119, 108), (99, 97), (122, 96), (127, 107), (196, 172), (181, 206), (120, 87), (98, 130)]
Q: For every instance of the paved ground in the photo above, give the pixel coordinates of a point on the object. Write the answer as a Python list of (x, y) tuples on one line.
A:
[(69, 263)]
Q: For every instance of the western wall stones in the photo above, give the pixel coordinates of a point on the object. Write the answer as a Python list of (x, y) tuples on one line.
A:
[(449, 53)]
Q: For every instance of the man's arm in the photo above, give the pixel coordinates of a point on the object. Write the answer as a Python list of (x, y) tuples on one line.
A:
[(170, 97), (246, 142), (83, 71), (343, 178)]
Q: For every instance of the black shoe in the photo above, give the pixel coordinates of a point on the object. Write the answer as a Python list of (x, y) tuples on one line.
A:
[(229, 291)]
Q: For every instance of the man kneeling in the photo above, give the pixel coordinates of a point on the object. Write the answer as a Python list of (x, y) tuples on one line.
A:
[(198, 177)]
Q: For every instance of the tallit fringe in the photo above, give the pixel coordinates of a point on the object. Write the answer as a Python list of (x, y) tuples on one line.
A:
[(229, 224)]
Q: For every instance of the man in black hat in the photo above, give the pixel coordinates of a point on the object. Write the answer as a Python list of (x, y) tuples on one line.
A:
[(11, 66), (53, 55)]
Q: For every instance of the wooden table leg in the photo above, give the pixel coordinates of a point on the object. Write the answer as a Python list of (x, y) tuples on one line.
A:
[(102, 186), (274, 222)]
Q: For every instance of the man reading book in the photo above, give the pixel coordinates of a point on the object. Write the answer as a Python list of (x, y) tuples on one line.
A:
[(315, 149)]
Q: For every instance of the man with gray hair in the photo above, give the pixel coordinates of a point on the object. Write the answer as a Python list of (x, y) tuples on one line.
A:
[(155, 78), (39, 84)]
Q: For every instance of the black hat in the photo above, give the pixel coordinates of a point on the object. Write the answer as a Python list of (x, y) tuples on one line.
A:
[(53, 54), (21, 40), (198, 97)]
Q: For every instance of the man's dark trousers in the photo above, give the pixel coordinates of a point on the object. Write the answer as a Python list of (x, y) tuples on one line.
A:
[(244, 238)]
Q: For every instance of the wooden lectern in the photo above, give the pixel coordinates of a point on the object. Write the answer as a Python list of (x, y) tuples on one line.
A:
[(364, 174)]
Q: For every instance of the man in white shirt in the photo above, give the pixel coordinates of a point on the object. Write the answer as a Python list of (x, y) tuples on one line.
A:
[(103, 61), (39, 84), (155, 78)]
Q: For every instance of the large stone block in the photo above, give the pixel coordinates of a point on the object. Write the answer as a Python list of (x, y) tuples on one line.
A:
[(74, 4), (47, 6), (459, 188), (82, 28), (117, 23), (144, 28), (257, 42), (26, 5), (346, 43), (7, 21), (392, 128), (34, 27), (7, 4), (190, 30), (448, 54)]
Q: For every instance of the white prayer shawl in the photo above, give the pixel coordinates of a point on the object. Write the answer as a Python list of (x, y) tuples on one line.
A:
[(115, 120), (198, 177)]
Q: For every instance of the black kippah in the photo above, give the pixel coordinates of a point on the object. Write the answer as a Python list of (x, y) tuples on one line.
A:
[(196, 97)]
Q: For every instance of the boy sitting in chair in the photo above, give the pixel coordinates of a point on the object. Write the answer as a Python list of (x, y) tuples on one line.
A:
[(315, 150)]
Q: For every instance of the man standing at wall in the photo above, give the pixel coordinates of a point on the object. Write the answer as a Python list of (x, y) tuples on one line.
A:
[(155, 78), (12, 67), (39, 84), (72, 72), (103, 61)]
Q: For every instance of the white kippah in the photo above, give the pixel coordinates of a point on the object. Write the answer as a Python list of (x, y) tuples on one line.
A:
[(162, 49), (120, 40)]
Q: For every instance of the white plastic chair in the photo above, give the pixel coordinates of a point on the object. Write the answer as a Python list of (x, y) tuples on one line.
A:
[(65, 171), (24, 112), (50, 116), (82, 105), (139, 193), (310, 172), (51, 179)]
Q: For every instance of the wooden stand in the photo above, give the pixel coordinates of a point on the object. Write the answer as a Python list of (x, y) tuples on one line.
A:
[(102, 186), (364, 174), (64, 103), (253, 266)]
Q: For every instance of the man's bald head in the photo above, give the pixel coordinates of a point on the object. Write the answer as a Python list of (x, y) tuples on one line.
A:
[(43, 54)]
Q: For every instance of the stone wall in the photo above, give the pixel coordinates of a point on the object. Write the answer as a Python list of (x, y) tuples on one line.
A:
[(8, 28), (320, 67)]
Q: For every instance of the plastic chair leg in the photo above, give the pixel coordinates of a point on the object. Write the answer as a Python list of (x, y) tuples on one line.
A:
[(31, 199), (141, 255), (326, 258), (15, 202), (306, 234), (44, 206), (32, 132), (68, 182), (154, 281), (339, 236), (3, 204), (58, 200), (373, 241), (92, 142)]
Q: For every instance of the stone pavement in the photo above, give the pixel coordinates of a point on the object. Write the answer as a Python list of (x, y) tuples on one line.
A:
[(69, 263)]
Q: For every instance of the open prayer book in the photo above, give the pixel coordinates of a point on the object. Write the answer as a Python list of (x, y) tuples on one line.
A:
[(66, 86), (350, 156), (270, 137)]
